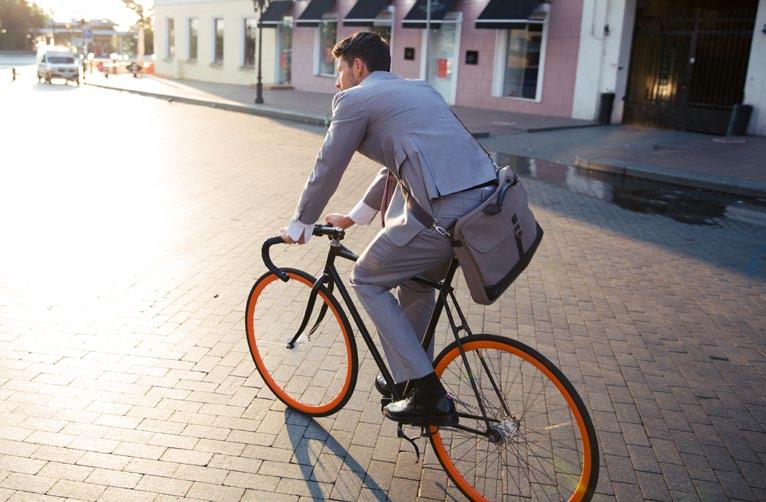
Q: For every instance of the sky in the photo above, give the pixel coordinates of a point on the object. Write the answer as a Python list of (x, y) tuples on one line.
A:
[(64, 10)]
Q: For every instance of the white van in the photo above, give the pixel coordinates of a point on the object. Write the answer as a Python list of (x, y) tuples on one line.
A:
[(57, 62)]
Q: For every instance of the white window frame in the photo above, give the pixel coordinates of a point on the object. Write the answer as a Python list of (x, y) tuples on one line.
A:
[(168, 36), (213, 31), (242, 38), (455, 18), (318, 49), (390, 22), (278, 45), (501, 53), (189, 59)]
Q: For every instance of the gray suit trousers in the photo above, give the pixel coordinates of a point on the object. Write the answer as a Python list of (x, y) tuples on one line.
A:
[(401, 321)]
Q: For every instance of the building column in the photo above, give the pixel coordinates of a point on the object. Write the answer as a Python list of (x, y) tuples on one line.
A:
[(603, 58), (755, 82)]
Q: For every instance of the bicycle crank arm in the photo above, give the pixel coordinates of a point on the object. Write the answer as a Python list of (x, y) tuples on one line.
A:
[(400, 434)]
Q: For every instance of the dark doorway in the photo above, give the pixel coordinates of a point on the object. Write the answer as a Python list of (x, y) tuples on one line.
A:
[(688, 63)]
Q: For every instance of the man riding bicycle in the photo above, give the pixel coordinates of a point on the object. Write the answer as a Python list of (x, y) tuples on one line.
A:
[(407, 127)]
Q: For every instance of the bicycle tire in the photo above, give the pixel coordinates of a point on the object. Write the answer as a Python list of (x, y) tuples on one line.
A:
[(552, 425), (294, 376)]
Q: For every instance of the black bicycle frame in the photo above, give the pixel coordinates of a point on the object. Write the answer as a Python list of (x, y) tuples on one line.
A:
[(331, 279), (444, 288)]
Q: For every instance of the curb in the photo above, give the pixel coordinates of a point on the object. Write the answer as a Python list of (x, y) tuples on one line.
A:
[(725, 184), (273, 113)]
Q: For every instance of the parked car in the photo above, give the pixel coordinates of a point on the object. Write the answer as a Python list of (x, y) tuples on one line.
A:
[(57, 62)]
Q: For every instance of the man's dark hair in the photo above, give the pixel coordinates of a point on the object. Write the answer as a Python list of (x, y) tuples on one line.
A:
[(367, 46)]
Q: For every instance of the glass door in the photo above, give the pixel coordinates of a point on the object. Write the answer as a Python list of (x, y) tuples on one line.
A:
[(443, 60), (285, 51)]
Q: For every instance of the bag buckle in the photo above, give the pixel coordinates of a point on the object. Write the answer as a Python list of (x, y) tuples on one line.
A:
[(441, 230)]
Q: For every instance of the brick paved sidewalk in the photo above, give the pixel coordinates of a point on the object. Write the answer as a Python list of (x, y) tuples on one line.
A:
[(732, 165), (124, 373)]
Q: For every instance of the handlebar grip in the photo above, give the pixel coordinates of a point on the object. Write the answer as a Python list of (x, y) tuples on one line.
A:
[(267, 259)]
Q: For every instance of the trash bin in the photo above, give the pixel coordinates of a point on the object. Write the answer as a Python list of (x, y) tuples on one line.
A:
[(740, 116), (605, 108)]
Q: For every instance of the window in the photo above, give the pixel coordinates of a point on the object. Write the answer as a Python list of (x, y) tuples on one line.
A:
[(285, 50), (218, 27), (193, 30), (328, 33), (251, 26), (383, 30), (522, 61), (171, 32), (382, 25)]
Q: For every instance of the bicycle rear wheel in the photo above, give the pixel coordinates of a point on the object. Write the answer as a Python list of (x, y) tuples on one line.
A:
[(318, 374), (540, 443)]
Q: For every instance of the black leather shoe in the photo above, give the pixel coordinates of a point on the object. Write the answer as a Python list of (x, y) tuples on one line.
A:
[(417, 410), (382, 387)]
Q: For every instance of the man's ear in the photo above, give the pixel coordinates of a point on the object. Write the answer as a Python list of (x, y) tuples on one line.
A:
[(359, 67)]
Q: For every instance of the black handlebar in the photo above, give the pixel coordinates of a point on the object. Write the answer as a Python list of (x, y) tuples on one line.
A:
[(267, 259), (331, 232)]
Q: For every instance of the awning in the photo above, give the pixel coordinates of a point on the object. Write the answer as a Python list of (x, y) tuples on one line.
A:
[(416, 17), (275, 13), (312, 14), (505, 14), (364, 12)]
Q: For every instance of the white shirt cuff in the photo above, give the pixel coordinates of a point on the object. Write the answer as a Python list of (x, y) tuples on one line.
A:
[(362, 214), (298, 228)]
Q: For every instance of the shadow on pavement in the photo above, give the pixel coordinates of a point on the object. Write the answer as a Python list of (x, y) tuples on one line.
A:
[(309, 440), (54, 87)]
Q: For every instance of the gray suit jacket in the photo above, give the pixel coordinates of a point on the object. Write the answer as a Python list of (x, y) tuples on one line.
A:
[(406, 126)]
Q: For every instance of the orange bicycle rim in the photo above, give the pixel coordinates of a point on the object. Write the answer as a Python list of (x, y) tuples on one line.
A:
[(441, 451), (297, 405)]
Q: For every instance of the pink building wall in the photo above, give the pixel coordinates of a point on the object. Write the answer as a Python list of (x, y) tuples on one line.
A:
[(560, 65), (474, 86), (303, 77)]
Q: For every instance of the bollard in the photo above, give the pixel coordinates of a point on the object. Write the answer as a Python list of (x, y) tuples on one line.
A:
[(13, 74)]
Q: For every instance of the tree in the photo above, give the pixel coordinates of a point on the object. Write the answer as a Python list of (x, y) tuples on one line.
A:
[(148, 36), (144, 18), (144, 25), (17, 19)]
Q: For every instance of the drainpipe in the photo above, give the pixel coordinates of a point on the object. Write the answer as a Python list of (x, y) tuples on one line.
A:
[(428, 36)]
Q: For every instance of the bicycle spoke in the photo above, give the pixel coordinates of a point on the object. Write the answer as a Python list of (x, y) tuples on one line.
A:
[(314, 373), (534, 448)]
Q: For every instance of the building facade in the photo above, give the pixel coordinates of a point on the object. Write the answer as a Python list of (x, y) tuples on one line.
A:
[(680, 64), (98, 36), (210, 40)]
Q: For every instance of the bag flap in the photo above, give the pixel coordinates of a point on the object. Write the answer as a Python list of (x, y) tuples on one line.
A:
[(484, 231)]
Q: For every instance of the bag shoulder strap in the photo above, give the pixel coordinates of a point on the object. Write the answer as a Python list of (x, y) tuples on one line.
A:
[(418, 212), (475, 140)]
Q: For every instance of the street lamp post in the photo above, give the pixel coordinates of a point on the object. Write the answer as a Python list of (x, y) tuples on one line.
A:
[(259, 5)]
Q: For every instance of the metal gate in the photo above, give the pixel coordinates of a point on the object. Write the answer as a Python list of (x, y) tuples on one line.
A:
[(689, 62)]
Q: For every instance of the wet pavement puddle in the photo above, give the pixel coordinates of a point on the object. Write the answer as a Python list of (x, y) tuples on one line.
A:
[(683, 204)]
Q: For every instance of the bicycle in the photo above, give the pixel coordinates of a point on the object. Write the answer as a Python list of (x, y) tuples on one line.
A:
[(523, 430)]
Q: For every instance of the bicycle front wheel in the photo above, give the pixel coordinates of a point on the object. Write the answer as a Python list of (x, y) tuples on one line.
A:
[(316, 373), (537, 441)]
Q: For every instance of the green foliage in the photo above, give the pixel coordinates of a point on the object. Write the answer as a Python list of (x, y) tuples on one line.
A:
[(145, 20), (143, 16), (17, 18)]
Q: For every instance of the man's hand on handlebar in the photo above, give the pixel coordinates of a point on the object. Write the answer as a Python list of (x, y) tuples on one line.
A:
[(339, 220), (288, 240), (333, 219)]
